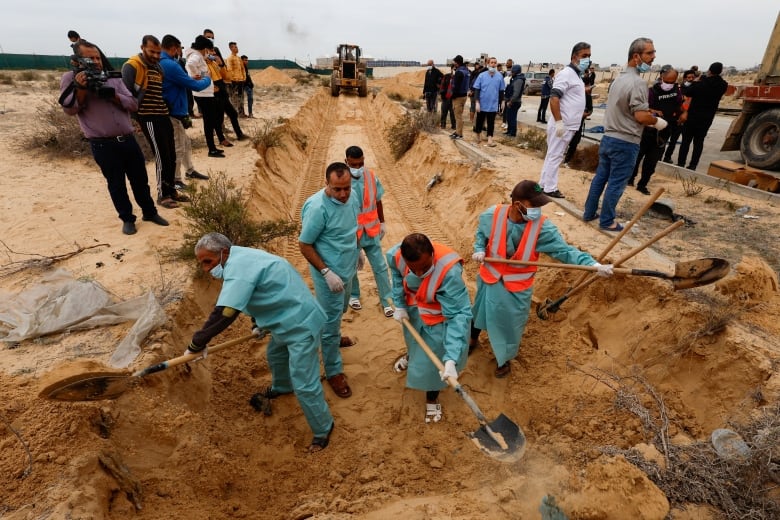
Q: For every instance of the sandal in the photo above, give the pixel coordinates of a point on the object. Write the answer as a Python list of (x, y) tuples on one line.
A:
[(261, 404), (618, 227), (168, 203), (340, 386), (432, 413), (346, 341), (388, 312), (320, 443), (503, 370), (355, 304)]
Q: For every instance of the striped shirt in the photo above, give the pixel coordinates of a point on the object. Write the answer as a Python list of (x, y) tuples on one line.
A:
[(152, 103)]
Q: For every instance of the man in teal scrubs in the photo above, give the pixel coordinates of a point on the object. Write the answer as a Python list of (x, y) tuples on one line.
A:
[(429, 291), (270, 290), (328, 241), (371, 227), (517, 231)]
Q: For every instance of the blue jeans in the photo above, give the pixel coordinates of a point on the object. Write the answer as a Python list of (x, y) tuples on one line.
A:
[(511, 118), (249, 93), (616, 164)]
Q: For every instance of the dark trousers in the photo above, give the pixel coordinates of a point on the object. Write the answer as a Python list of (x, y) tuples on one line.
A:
[(650, 149), (490, 117), (541, 115), (190, 103), (212, 120), (430, 101), (159, 132), (120, 160), (696, 134), (249, 93), (446, 108), (226, 109), (575, 141), (511, 118), (674, 135)]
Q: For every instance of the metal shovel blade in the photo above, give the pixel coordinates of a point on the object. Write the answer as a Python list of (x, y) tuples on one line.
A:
[(695, 273), (506, 430), (89, 387)]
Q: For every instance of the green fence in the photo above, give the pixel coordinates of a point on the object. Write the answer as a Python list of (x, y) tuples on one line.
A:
[(49, 62)]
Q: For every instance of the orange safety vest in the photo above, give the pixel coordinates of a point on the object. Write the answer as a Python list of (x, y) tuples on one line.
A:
[(368, 218), (516, 278), (425, 296)]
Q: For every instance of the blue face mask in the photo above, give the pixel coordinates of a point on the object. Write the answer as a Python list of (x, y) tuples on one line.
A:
[(584, 64), (491, 69), (357, 172), (643, 67), (532, 214), (217, 271)]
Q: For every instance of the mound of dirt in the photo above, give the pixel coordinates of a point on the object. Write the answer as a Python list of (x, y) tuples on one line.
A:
[(272, 76), (754, 282)]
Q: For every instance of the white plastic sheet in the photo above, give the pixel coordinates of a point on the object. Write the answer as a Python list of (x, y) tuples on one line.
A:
[(62, 303)]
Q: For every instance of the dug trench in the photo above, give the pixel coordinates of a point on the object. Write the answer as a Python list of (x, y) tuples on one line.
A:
[(192, 447)]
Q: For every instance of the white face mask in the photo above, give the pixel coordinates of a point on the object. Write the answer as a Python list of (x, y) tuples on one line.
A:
[(218, 271), (666, 87), (357, 172)]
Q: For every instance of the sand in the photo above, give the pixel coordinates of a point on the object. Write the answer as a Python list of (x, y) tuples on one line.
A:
[(194, 448)]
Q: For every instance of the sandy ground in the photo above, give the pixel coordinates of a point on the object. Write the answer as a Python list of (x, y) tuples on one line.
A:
[(192, 447)]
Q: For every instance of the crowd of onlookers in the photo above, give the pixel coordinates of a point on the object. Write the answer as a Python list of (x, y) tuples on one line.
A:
[(159, 89)]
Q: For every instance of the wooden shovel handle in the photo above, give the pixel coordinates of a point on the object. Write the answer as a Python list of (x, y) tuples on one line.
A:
[(189, 357), (577, 267)]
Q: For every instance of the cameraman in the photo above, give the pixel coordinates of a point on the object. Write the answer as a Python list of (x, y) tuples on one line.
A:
[(103, 105)]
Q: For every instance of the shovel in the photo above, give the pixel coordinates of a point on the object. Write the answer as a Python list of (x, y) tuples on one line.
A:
[(549, 306), (693, 273), (501, 439), (110, 385)]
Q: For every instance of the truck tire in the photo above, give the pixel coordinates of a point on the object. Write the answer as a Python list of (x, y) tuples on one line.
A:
[(334, 85), (760, 144), (363, 89)]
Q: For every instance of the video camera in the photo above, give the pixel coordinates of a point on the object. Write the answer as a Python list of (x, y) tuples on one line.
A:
[(96, 78)]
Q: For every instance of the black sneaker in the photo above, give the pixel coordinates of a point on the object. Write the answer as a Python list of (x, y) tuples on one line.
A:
[(242, 137), (642, 189), (157, 219), (458, 136), (194, 174), (128, 228), (216, 153), (555, 194), (179, 185)]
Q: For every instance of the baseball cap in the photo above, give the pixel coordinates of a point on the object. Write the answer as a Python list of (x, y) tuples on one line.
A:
[(532, 192)]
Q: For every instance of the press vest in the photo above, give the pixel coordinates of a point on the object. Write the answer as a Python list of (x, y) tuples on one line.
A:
[(368, 218), (425, 297), (516, 278)]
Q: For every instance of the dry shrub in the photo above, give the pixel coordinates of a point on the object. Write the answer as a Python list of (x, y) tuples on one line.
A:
[(30, 75), (395, 96), (739, 487), (405, 130), (55, 133), (586, 158), (690, 185), (266, 135), (221, 207), (6, 78), (530, 138)]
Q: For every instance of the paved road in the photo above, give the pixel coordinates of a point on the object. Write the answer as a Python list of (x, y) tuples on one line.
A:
[(712, 144)]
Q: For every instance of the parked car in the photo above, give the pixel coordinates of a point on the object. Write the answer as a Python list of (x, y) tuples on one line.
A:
[(534, 82)]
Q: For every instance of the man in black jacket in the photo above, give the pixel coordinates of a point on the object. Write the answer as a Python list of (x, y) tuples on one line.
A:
[(431, 87), (705, 93)]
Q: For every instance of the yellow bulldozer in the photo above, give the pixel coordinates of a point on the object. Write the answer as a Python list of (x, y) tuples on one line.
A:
[(349, 70)]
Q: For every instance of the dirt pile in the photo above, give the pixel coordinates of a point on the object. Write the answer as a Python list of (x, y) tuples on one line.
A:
[(271, 76)]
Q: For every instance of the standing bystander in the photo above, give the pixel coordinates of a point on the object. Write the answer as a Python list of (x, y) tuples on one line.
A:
[(431, 86)]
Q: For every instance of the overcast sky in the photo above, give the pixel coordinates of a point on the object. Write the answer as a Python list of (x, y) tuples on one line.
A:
[(685, 32)]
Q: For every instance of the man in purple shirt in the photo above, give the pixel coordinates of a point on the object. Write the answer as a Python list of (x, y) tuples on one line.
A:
[(104, 116)]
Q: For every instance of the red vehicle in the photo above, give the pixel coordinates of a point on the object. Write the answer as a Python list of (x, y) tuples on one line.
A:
[(756, 131)]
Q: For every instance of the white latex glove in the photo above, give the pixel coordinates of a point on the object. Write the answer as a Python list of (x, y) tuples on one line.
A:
[(479, 257), (400, 315), (202, 353), (660, 124), (361, 260), (449, 370), (334, 281), (259, 333), (559, 128), (478, 108), (382, 230), (605, 271), (402, 363)]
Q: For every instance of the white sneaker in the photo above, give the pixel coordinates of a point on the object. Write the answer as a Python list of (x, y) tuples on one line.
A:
[(355, 304), (432, 413), (401, 364)]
